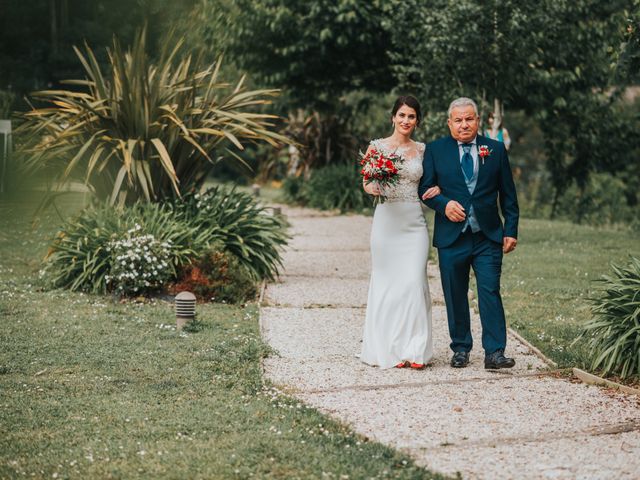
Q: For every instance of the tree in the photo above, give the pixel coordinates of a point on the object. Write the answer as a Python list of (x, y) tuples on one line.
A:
[(319, 53), (628, 67), (37, 36), (316, 51), (551, 58)]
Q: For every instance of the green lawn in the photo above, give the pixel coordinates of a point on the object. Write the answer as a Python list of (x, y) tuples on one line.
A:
[(546, 282), (94, 388)]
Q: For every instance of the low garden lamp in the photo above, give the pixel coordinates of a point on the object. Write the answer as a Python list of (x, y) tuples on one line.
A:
[(185, 309)]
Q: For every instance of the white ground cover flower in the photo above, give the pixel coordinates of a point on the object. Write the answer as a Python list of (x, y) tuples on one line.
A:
[(141, 263)]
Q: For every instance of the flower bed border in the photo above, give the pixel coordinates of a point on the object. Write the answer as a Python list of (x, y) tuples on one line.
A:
[(535, 350), (592, 379)]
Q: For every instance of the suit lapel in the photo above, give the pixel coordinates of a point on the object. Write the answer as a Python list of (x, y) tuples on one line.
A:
[(453, 159), (480, 140)]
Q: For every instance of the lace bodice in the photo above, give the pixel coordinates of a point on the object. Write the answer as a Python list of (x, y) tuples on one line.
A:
[(410, 171)]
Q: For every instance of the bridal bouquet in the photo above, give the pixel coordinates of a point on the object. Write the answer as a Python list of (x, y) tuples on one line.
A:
[(381, 169)]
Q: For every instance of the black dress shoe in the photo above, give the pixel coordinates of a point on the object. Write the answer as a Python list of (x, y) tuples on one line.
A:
[(460, 359), (497, 360)]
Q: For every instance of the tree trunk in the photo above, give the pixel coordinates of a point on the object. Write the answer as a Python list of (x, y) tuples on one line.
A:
[(554, 205), (64, 16), (579, 215), (54, 26), (483, 102)]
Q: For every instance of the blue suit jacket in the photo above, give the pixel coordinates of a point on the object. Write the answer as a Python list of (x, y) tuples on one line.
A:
[(441, 166)]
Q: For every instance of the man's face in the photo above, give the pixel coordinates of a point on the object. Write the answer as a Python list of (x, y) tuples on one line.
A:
[(463, 123)]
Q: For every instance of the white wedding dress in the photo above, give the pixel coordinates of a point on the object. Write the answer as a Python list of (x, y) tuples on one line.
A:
[(398, 321)]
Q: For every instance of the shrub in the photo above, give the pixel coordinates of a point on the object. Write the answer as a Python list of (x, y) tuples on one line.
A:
[(217, 276), (602, 202), (245, 229), (293, 191), (84, 254), (139, 262), (141, 248), (613, 333), (336, 186), (324, 138), (144, 130)]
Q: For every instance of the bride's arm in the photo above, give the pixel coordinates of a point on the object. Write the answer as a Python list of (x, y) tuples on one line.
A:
[(371, 188), (428, 182), (431, 192)]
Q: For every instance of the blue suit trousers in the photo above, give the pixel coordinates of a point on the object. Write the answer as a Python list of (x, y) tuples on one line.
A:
[(473, 250)]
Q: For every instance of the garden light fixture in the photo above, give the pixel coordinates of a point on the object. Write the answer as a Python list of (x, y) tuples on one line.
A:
[(185, 309)]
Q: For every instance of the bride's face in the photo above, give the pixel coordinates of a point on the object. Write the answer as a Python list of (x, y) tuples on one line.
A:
[(405, 120)]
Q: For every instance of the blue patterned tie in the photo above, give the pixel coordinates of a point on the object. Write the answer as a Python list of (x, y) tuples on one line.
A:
[(467, 161)]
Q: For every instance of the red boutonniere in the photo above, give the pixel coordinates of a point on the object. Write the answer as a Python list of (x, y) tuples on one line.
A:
[(484, 151)]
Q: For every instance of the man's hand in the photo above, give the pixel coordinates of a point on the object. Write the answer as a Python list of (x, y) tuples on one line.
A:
[(454, 211), (509, 244)]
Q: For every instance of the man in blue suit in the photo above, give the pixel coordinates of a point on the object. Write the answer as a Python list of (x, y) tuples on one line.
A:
[(474, 175)]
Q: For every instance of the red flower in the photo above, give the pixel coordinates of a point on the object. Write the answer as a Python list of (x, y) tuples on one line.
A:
[(484, 151), (380, 168)]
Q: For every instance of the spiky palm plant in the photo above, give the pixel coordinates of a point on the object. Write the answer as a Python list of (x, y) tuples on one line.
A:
[(613, 333), (145, 130)]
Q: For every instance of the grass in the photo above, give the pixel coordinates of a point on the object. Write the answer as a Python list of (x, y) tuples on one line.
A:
[(91, 387), (547, 281)]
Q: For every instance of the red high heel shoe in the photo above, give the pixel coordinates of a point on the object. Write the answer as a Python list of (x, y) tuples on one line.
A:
[(404, 364), (418, 366)]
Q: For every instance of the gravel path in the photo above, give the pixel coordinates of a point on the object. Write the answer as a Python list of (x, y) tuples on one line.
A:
[(524, 423)]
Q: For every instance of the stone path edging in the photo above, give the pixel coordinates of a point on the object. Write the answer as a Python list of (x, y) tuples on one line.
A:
[(534, 349), (592, 379), (527, 423)]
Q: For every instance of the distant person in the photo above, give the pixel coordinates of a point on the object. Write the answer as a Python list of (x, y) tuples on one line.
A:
[(502, 134)]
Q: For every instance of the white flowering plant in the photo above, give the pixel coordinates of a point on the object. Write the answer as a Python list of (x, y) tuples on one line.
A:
[(144, 247), (140, 263), (106, 249)]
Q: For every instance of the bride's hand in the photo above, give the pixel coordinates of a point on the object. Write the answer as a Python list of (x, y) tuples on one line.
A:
[(373, 189), (431, 192)]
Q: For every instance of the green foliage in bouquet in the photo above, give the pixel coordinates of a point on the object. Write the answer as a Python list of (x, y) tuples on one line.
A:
[(613, 333), (336, 187), (88, 251), (246, 230), (144, 130)]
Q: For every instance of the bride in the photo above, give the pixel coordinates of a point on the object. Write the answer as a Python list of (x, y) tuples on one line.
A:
[(397, 329)]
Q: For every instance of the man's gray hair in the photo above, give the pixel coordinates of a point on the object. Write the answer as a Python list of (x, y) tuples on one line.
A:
[(462, 102)]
